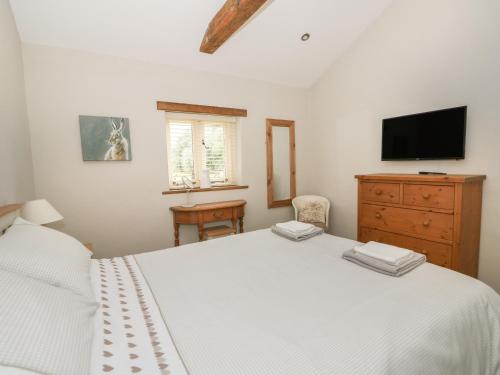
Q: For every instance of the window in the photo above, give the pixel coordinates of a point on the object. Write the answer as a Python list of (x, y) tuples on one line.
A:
[(198, 144)]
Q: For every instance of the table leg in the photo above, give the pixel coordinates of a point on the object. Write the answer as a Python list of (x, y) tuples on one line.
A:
[(200, 231), (176, 233), (241, 225)]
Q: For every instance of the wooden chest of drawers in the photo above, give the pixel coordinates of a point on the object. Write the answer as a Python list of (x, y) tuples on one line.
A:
[(437, 215)]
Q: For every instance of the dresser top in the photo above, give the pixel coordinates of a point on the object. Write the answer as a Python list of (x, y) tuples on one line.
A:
[(422, 177)]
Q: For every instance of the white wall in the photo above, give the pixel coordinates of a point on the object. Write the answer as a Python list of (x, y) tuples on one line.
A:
[(118, 206), (16, 170), (420, 55)]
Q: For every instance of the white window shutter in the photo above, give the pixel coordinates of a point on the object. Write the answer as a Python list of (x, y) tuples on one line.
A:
[(180, 152), (213, 147)]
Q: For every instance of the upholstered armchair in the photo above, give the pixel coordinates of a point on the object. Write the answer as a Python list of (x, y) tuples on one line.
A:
[(312, 209)]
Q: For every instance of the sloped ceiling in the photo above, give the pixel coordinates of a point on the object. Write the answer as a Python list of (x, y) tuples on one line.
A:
[(166, 31)]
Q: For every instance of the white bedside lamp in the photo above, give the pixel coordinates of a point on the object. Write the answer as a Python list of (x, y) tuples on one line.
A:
[(40, 211)]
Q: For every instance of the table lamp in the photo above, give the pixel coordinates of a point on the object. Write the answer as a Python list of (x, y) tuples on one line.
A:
[(40, 211)]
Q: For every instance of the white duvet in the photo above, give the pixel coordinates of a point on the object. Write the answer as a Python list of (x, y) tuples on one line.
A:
[(257, 303)]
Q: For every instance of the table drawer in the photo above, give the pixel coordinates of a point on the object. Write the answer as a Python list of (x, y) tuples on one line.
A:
[(436, 253), (434, 196), (218, 215), (380, 192), (407, 221)]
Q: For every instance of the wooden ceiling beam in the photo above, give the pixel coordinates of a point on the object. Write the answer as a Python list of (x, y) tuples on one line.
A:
[(232, 15)]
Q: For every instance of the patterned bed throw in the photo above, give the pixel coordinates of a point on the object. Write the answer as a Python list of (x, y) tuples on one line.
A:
[(131, 336)]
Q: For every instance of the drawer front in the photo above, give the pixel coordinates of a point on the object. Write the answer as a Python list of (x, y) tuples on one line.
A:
[(186, 217), (434, 196), (407, 221), (436, 253), (217, 215), (380, 192)]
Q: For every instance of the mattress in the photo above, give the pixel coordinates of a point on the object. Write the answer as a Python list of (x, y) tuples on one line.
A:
[(257, 303)]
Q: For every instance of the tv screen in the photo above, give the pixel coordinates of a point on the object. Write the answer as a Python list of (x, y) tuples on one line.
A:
[(425, 136)]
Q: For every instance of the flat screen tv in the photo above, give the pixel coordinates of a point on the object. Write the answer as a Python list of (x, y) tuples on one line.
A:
[(425, 136)]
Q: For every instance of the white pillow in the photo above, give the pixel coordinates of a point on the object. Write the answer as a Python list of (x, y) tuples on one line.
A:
[(20, 220), (48, 255), (44, 329)]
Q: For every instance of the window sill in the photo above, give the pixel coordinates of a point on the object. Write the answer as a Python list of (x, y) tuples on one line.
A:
[(200, 190)]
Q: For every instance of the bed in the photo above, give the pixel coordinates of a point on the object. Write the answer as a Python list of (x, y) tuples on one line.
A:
[(257, 303)]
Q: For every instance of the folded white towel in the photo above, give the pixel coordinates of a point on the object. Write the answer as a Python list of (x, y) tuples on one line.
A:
[(301, 237), (288, 233), (295, 227), (392, 255)]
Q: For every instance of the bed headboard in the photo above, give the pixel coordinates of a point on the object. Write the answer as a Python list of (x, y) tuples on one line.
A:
[(7, 215)]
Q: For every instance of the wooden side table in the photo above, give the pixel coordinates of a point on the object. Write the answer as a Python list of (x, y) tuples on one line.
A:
[(209, 213)]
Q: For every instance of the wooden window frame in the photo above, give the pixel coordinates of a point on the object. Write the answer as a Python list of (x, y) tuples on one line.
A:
[(186, 108)]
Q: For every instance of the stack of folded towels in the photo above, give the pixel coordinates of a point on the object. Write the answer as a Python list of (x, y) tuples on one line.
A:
[(296, 231), (386, 259)]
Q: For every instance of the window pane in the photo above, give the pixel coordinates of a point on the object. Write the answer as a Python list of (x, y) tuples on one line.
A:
[(181, 143), (214, 152)]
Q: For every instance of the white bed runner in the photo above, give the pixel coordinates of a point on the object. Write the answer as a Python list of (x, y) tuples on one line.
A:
[(130, 334)]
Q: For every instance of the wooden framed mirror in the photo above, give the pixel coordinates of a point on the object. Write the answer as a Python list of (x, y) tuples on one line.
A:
[(280, 143)]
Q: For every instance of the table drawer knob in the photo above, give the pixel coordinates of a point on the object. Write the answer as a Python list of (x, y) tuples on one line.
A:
[(378, 192), (426, 195), (426, 223), (378, 215)]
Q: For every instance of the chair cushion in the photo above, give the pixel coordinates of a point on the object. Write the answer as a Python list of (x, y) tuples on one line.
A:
[(312, 212)]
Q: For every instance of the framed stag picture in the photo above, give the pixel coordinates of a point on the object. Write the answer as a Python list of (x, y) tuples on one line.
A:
[(105, 138)]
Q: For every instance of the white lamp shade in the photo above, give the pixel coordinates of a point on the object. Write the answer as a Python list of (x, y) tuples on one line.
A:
[(40, 212)]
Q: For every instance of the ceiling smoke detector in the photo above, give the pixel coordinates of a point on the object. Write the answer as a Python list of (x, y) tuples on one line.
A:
[(305, 37)]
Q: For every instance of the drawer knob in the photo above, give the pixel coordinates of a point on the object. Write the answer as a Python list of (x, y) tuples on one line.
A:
[(378, 192), (378, 215), (426, 223), (426, 195)]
